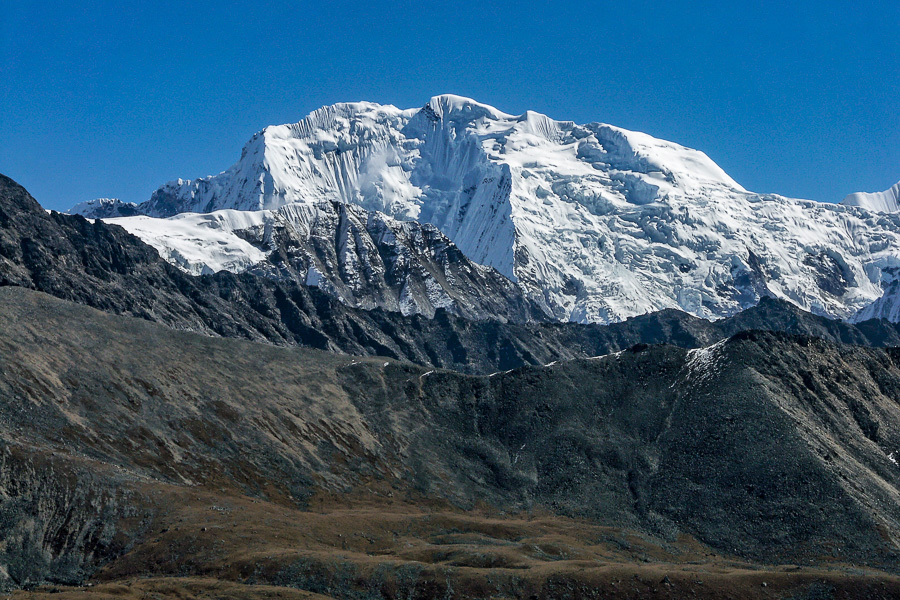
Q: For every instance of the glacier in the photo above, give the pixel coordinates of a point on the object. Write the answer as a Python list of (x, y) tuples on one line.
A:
[(200, 244), (593, 222)]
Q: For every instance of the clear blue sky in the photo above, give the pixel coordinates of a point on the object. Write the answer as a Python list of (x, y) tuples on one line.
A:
[(113, 99)]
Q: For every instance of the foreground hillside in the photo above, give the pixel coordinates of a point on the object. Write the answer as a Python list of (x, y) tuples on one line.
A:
[(130, 450)]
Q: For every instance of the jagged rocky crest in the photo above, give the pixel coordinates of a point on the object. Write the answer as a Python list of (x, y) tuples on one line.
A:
[(105, 208)]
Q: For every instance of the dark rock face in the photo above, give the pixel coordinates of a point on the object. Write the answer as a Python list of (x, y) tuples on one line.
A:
[(59, 519), (773, 447), (831, 275)]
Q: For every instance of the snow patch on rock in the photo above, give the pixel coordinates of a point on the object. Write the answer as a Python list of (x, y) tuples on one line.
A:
[(200, 244)]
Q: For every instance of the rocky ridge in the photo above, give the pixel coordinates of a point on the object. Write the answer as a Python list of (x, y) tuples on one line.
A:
[(365, 259)]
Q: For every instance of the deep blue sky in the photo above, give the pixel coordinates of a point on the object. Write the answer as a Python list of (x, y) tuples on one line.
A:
[(114, 99)]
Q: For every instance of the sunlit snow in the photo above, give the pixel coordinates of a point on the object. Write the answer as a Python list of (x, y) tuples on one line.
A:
[(887, 201), (199, 243)]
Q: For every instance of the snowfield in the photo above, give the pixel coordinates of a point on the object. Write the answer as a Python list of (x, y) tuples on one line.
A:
[(200, 244), (595, 223)]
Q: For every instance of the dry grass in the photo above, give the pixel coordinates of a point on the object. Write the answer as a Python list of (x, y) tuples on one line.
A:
[(176, 588), (212, 544)]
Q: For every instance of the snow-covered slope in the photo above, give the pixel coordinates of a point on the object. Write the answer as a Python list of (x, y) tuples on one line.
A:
[(594, 222), (201, 244), (366, 259), (887, 201)]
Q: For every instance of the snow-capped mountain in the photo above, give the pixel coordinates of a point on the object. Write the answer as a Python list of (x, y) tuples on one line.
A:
[(887, 201), (366, 259), (103, 208), (594, 222)]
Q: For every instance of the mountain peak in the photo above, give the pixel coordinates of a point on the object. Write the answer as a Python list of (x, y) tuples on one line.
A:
[(450, 106)]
